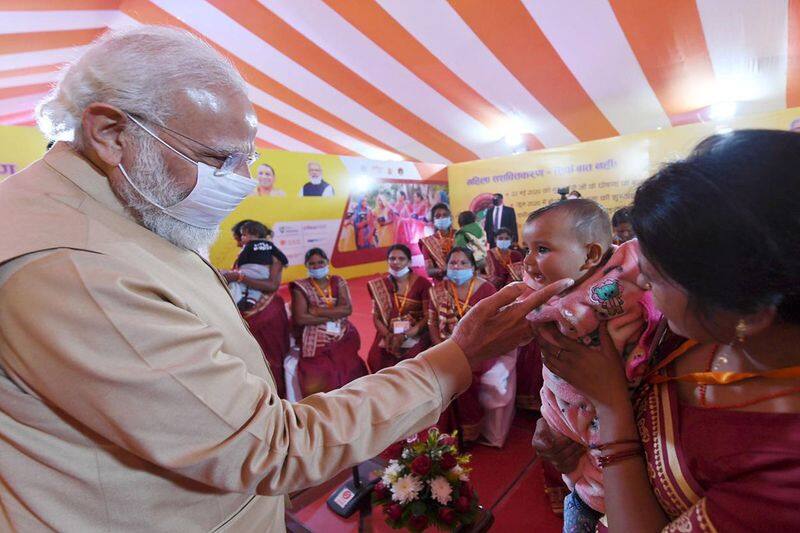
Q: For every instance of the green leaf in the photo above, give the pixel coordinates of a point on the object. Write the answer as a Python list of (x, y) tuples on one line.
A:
[(418, 508)]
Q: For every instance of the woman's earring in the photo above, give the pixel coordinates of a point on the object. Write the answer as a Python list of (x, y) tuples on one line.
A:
[(741, 331), (648, 286)]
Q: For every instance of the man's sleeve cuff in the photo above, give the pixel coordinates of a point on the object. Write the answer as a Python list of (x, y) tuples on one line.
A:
[(451, 369)]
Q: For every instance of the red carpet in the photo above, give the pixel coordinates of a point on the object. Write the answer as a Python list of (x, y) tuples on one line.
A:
[(509, 481)]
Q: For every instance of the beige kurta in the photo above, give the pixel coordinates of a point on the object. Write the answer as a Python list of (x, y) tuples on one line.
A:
[(132, 395)]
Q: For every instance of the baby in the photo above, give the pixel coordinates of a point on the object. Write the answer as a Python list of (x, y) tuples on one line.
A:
[(572, 239), (254, 262)]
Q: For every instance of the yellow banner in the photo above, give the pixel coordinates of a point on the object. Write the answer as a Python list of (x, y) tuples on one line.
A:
[(607, 170), (303, 198), (19, 147)]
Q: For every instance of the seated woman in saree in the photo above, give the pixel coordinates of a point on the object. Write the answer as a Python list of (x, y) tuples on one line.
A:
[(265, 315), (487, 408), (711, 441), (400, 301), (436, 247), (503, 264), (328, 342)]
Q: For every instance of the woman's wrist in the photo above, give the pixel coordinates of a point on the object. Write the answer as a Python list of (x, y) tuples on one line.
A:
[(616, 422)]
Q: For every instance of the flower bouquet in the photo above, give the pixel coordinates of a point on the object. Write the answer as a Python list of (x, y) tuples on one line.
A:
[(426, 483)]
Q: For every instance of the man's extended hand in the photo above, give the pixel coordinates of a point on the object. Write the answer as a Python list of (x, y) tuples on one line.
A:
[(497, 324)]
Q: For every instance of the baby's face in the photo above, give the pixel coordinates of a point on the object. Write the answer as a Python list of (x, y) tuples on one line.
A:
[(555, 251)]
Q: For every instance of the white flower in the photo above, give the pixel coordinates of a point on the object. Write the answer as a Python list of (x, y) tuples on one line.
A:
[(441, 490), (406, 489), (458, 471), (406, 454), (391, 472)]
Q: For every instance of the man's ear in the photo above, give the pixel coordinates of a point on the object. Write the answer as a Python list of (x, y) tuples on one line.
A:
[(102, 127), (594, 254)]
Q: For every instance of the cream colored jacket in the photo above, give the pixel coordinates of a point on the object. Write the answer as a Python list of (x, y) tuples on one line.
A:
[(132, 395)]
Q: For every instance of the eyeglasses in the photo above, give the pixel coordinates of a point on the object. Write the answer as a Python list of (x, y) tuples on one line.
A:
[(231, 162)]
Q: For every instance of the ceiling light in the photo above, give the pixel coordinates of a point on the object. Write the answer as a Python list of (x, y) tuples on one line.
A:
[(513, 139)]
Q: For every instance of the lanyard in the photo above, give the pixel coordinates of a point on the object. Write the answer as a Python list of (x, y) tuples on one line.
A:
[(726, 378), (327, 296), (459, 309), (405, 299), (446, 241), (504, 256), (715, 378), (682, 349)]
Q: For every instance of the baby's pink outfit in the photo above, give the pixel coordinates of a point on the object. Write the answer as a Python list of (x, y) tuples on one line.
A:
[(609, 295)]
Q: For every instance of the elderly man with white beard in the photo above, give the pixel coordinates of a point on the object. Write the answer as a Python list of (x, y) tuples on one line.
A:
[(132, 396)]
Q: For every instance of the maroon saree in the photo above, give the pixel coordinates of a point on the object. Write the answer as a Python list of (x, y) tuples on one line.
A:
[(500, 266), (412, 307), (443, 311), (328, 360), (269, 324), (720, 469)]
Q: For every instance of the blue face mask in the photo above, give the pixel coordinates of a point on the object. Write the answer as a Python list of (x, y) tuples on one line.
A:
[(460, 277), (504, 244), (319, 273), (442, 223)]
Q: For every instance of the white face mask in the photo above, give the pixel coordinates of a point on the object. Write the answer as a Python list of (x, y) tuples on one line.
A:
[(214, 196), (399, 273)]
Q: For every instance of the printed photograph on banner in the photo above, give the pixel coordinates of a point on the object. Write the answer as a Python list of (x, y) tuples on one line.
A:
[(267, 182), (303, 200), (389, 213)]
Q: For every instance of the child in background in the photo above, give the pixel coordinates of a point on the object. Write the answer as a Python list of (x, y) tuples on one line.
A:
[(254, 262), (471, 235), (572, 239)]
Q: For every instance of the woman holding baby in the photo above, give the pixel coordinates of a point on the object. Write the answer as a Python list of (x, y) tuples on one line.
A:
[(709, 440)]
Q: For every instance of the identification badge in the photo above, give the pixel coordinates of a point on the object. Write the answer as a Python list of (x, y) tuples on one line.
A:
[(400, 326), (333, 327)]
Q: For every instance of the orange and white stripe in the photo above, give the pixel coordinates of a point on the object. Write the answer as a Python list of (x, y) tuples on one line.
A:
[(444, 80)]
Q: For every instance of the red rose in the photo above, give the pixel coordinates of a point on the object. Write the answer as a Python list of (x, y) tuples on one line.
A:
[(381, 491), (394, 451), (466, 490), (462, 504), (448, 461), (418, 523), (421, 465), (394, 511), (447, 515)]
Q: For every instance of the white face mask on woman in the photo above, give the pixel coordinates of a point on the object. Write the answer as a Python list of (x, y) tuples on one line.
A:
[(399, 273), (215, 195)]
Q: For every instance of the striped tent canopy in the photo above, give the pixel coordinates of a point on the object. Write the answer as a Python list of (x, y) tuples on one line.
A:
[(445, 81)]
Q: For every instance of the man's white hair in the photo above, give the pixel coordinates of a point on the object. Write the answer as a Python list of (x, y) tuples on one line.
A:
[(138, 70)]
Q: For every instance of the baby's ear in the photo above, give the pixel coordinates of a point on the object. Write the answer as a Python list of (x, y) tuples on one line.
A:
[(594, 254)]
